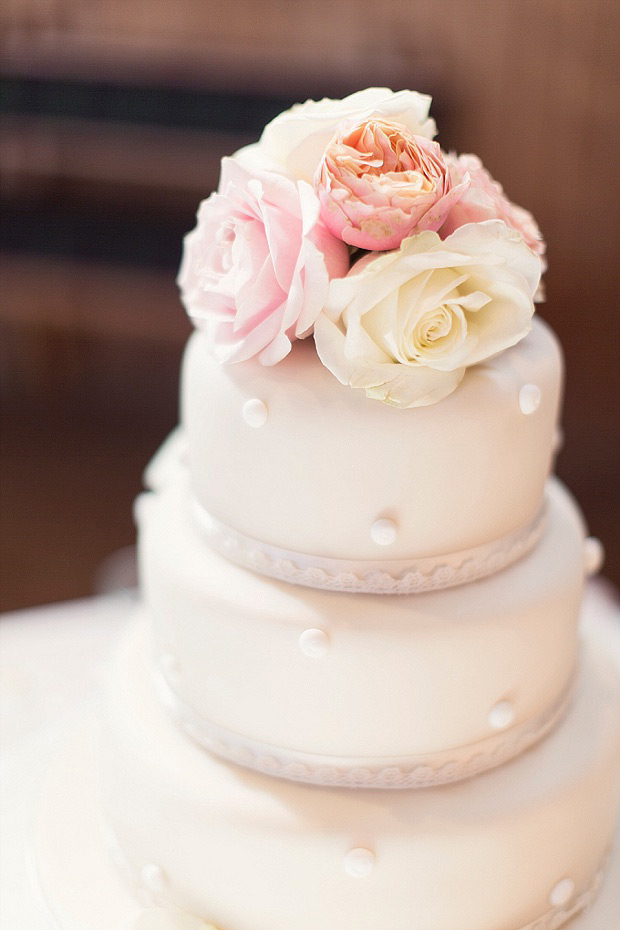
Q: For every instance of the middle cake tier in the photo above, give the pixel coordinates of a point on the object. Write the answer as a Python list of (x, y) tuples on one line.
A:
[(358, 689)]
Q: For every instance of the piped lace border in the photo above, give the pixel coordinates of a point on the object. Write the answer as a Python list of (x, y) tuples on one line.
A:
[(559, 915), (414, 771), (368, 577)]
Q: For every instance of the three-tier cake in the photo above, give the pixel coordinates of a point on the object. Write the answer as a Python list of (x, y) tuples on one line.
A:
[(356, 696)]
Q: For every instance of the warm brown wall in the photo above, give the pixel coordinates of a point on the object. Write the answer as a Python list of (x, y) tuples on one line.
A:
[(530, 86)]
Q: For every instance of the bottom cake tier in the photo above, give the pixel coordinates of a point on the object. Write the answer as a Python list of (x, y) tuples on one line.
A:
[(79, 887), (524, 846)]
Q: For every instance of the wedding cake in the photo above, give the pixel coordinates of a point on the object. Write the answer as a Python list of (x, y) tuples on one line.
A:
[(356, 695)]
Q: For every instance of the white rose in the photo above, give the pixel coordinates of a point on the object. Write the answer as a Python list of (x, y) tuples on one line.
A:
[(294, 142), (405, 325)]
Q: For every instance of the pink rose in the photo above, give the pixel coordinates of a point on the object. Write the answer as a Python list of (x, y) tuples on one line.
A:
[(256, 268), (485, 200), (378, 182)]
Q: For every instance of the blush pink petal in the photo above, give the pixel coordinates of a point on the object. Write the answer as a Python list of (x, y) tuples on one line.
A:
[(256, 268), (485, 200), (436, 215)]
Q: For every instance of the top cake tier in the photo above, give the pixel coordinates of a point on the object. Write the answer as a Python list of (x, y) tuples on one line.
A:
[(288, 457)]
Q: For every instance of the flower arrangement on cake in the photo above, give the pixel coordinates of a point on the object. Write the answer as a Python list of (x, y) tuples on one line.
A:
[(347, 221)]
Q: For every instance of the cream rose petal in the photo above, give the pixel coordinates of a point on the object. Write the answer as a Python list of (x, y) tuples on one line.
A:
[(507, 324), (388, 271), (419, 387), (405, 325), (359, 341), (395, 385), (495, 238)]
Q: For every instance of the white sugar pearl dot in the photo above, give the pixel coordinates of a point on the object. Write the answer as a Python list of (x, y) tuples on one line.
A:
[(383, 532), (593, 555), (562, 892), (255, 413), (314, 643), (153, 878), (529, 398), (359, 862), (501, 715)]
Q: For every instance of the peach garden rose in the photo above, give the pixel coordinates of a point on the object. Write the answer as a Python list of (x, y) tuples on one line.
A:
[(403, 326), (378, 182), (256, 268), (294, 142)]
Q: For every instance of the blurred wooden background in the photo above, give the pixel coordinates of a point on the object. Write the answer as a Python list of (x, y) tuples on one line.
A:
[(113, 119)]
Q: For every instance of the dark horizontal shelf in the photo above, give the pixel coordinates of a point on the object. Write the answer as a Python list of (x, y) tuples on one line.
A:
[(128, 238), (146, 105)]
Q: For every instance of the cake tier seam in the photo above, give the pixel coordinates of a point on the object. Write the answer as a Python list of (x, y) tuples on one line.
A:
[(404, 771), (400, 576)]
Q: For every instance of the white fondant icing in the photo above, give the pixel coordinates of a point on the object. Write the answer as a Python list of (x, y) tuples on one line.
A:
[(530, 397), (314, 643), (383, 532), (370, 577), (565, 903), (169, 665), (413, 771), (558, 439), (163, 918), (562, 892), (140, 506), (496, 875), (501, 715), (413, 675), (359, 862), (457, 474), (75, 871), (465, 480), (255, 413), (168, 461), (154, 879), (562, 913), (593, 555)]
